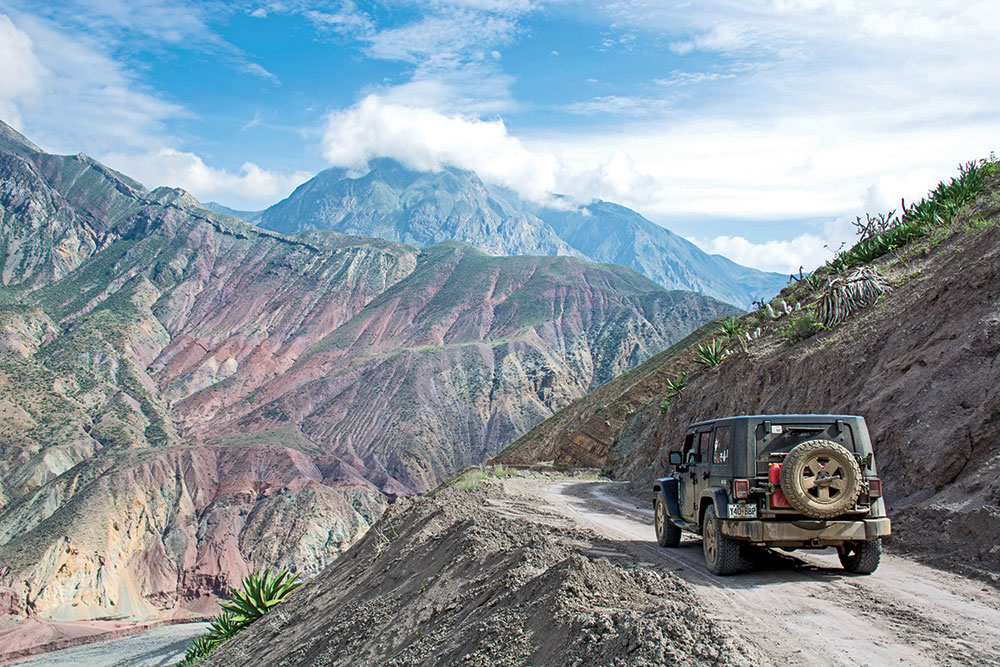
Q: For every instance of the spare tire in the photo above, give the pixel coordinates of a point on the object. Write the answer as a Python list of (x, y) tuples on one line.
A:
[(821, 479)]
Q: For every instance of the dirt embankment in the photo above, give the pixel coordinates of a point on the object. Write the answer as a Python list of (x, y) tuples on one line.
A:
[(922, 365), (486, 578)]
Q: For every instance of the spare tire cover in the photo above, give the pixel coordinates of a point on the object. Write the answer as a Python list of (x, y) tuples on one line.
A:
[(821, 478)]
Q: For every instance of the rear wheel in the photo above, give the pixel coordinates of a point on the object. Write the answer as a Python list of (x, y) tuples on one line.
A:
[(723, 556), (861, 557), (667, 534)]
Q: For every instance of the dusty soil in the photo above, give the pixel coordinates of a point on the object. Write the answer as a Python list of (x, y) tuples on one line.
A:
[(802, 608), (486, 577), (548, 570)]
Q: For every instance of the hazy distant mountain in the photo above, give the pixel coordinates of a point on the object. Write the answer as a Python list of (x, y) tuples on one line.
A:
[(249, 216), (606, 232), (422, 208)]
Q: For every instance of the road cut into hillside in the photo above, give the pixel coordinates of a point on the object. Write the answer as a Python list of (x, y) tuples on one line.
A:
[(802, 608), (541, 569)]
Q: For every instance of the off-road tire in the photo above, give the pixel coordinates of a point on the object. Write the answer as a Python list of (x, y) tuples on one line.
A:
[(833, 467), (861, 557), (667, 534), (723, 556)]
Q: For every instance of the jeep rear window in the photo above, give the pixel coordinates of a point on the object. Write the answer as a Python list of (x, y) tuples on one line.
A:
[(782, 438), (723, 439)]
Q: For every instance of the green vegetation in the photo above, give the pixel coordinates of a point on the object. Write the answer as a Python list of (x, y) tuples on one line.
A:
[(732, 327), (674, 389), (472, 479), (800, 327), (886, 232), (712, 353), (261, 591)]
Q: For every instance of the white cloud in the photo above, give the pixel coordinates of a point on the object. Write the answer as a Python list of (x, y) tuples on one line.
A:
[(178, 24), (452, 46), (633, 106), (251, 187), (81, 98), (426, 139), (21, 74), (68, 96), (681, 78), (807, 251)]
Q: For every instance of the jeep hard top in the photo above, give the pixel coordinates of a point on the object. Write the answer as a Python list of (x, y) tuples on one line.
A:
[(788, 481)]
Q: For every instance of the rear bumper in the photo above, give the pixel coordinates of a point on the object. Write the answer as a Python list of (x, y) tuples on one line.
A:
[(806, 533)]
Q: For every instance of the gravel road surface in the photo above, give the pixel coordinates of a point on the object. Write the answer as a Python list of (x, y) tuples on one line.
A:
[(802, 608), (160, 646)]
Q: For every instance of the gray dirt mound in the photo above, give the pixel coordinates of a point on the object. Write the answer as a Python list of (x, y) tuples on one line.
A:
[(461, 578)]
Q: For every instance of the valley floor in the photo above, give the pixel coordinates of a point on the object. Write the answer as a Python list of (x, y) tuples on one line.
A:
[(164, 645), (802, 608)]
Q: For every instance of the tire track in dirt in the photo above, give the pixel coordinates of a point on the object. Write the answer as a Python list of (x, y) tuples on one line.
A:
[(802, 608)]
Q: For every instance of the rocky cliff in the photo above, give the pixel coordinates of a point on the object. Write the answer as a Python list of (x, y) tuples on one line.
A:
[(184, 395)]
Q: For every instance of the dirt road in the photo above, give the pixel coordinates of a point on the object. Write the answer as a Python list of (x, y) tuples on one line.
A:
[(801, 608), (164, 645)]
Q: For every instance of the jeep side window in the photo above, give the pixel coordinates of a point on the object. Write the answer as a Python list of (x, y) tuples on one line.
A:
[(704, 446), (723, 439), (689, 452)]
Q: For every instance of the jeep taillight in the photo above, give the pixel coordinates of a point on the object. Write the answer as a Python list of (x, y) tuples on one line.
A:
[(874, 487), (741, 489)]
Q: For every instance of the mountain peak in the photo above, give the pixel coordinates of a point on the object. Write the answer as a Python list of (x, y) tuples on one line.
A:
[(421, 208), (10, 136)]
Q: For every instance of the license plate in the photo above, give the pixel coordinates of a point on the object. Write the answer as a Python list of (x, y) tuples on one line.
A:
[(742, 511)]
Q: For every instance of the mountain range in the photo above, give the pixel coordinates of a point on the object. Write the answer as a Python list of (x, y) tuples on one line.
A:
[(423, 207), (184, 394)]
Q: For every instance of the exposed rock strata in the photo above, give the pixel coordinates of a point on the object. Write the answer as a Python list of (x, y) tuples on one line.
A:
[(185, 394)]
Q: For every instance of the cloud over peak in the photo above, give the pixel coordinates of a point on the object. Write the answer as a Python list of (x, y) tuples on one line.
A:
[(429, 140)]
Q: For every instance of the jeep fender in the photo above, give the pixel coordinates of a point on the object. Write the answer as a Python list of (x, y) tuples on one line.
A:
[(666, 489), (713, 496)]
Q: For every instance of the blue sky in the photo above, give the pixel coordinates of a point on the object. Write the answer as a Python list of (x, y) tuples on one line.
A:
[(757, 128)]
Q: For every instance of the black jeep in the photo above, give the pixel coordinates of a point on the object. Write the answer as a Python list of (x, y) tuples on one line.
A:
[(788, 481)]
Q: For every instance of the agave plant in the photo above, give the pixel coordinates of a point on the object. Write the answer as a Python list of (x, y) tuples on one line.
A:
[(260, 591), (199, 648), (711, 354), (676, 385), (732, 327), (674, 389), (848, 294), (223, 626)]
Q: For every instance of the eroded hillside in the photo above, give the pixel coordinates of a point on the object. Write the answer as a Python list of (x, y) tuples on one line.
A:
[(183, 393), (922, 365)]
